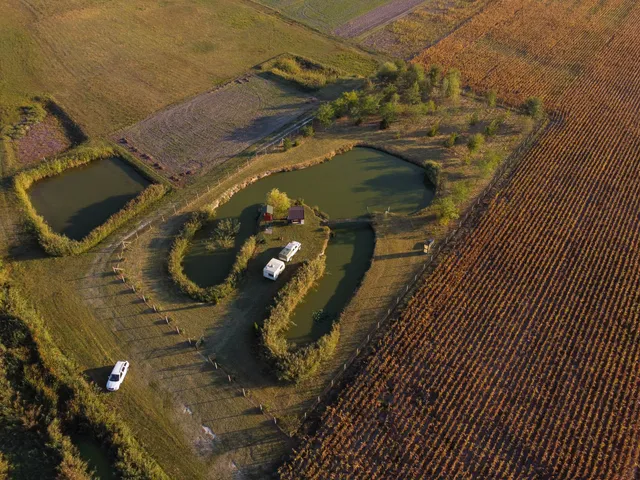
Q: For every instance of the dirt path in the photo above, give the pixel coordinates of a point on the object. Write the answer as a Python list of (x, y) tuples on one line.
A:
[(377, 17)]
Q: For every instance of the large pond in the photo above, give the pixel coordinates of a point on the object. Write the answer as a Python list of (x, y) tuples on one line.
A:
[(80, 199), (345, 187)]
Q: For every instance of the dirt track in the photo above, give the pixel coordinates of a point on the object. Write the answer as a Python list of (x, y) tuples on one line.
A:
[(376, 17), (193, 136)]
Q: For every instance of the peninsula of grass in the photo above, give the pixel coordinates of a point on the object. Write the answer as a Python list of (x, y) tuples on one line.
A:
[(181, 244), (291, 363), (57, 244)]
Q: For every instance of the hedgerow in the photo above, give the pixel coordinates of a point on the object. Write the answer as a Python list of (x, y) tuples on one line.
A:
[(293, 364), (58, 245), (179, 249)]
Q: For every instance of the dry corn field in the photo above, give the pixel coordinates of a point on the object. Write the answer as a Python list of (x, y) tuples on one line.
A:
[(519, 357)]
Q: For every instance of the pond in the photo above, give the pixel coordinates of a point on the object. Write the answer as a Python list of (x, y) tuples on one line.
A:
[(343, 187), (95, 455), (80, 199), (348, 257)]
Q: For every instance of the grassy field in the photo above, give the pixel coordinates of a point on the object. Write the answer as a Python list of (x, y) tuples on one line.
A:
[(322, 14), (112, 64)]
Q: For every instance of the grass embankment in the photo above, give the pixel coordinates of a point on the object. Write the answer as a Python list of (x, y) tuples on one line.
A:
[(43, 399), (296, 364), (305, 73), (59, 245), (179, 249)]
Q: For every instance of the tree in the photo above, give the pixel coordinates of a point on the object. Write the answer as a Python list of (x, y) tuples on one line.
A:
[(351, 102), (369, 105), (445, 210), (307, 131), (435, 75), (412, 95), (492, 98), (326, 114), (287, 144), (389, 112), (451, 84), (533, 107), (280, 203), (475, 142), (387, 73), (432, 171)]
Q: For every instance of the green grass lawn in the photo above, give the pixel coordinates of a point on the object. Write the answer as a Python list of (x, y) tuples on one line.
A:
[(325, 15), (111, 64)]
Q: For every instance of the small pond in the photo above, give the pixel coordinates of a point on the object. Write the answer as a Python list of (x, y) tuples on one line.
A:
[(344, 187), (95, 455), (80, 199)]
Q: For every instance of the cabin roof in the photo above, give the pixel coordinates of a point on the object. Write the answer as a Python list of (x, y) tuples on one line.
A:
[(296, 213)]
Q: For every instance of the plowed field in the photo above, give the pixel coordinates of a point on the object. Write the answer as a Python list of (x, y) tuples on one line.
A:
[(519, 357)]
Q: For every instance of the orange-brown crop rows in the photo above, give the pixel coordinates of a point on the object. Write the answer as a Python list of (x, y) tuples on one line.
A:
[(520, 355)]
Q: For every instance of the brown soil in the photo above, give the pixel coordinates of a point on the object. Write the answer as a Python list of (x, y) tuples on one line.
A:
[(43, 140)]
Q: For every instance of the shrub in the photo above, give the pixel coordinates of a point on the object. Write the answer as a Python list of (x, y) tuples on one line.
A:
[(389, 112), (451, 85), (287, 144), (433, 131), (385, 124), (489, 163), (369, 104), (533, 107), (307, 74), (280, 203), (225, 232), (326, 114), (432, 172), (291, 364), (493, 127), (475, 142), (435, 75), (412, 94), (492, 98), (445, 210), (474, 119), (307, 131), (288, 65), (387, 73), (56, 244), (451, 140)]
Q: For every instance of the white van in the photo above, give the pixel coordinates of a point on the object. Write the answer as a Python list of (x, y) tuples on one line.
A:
[(117, 375), (273, 269), (289, 251)]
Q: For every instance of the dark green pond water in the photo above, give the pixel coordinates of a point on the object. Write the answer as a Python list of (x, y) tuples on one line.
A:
[(95, 455), (343, 188), (80, 199), (348, 257)]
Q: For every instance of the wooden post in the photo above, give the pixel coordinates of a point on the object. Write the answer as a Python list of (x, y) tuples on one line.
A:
[(175, 210), (166, 319), (275, 421), (155, 309), (344, 369), (189, 339), (177, 330), (229, 377), (261, 411), (244, 394), (215, 364)]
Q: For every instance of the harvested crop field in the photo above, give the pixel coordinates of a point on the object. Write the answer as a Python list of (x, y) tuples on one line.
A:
[(374, 18), (192, 137), (519, 357), (43, 140)]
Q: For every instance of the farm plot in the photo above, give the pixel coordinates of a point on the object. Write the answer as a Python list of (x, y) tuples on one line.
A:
[(375, 18), (192, 137), (519, 357)]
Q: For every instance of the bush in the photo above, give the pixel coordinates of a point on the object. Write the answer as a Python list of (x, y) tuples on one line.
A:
[(385, 124), (288, 65), (387, 73), (287, 144), (307, 131), (533, 107), (492, 98), (451, 85), (307, 74), (432, 172), (451, 140), (412, 95), (475, 142), (179, 249), (489, 163), (493, 127), (435, 75), (369, 104), (445, 210), (326, 114), (280, 203), (225, 233), (59, 245), (474, 119), (389, 112), (290, 364), (434, 130)]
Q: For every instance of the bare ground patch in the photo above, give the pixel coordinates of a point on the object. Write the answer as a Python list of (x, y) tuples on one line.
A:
[(43, 140), (192, 137), (376, 17)]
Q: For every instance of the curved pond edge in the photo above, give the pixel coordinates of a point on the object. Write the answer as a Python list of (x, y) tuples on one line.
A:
[(179, 248), (59, 245)]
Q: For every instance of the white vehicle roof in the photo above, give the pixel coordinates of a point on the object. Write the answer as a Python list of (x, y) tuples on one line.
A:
[(274, 265), (292, 245), (118, 366)]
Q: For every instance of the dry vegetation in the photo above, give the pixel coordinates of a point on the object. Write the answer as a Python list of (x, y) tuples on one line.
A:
[(519, 357)]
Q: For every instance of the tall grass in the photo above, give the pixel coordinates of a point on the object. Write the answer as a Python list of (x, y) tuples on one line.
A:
[(179, 249), (59, 245), (296, 364), (309, 75)]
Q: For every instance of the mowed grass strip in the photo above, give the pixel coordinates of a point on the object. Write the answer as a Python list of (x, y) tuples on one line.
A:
[(112, 64)]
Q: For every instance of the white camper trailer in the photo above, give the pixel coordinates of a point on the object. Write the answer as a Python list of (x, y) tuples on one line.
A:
[(289, 251), (273, 269)]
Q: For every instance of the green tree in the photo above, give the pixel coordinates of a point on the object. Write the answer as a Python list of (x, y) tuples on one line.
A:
[(435, 75), (451, 140), (280, 203), (451, 85), (387, 73), (533, 107), (389, 112), (326, 114), (475, 142), (492, 98), (446, 210), (287, 144), (412, 94), (307, 131), (351, 101), (369, 105), (415, 73)]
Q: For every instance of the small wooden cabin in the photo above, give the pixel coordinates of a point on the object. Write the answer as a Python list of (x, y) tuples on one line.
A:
[(296, 215), (267, 213)]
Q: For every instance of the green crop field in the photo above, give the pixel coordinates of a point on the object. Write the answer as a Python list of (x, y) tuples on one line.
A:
[(111, 64)]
